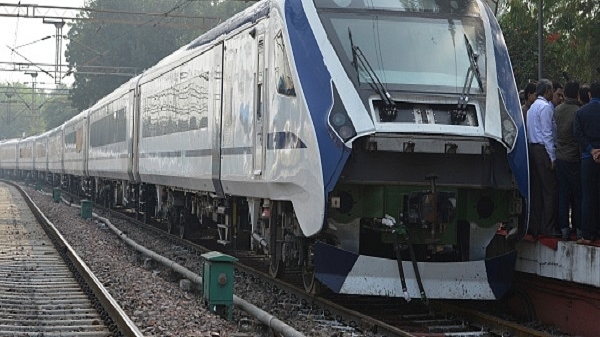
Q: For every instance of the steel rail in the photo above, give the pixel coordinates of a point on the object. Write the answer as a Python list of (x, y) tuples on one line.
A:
[(123, 323)]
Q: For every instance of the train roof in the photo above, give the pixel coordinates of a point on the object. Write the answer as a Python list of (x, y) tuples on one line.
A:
[(247, 16), (9, 141), (77, 118)]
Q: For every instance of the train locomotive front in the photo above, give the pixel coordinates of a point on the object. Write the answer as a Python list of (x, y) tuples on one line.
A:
[(376, 146), (431, 191)]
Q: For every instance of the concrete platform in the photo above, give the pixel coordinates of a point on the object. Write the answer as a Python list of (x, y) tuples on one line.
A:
[(561, 260), (558, 283)]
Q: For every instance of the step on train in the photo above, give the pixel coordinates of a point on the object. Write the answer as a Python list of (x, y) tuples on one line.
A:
[(374, 147)]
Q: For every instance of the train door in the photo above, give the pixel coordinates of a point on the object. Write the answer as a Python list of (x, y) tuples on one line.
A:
[(134, 103), (219, 74), (259, 109)]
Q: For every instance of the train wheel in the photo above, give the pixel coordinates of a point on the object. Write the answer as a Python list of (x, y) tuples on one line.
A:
[(308, 278), (311, 285), (172, 220), (183, 227), (277, 269)]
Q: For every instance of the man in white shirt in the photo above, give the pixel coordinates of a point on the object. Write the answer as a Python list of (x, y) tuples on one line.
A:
[(541, 132)]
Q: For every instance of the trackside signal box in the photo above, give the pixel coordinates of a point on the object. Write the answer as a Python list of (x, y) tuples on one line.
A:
[(217, 282), (56, 194), (86, 209)]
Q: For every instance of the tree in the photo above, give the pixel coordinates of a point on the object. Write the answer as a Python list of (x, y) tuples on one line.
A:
[(56, 110), (519, 27), (17, 114), (138, 46), (571, 39)]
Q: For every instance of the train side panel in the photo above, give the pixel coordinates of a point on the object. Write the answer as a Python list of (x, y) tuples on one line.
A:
[(55, 150), (242, 139), (8, 155), (110, 136), (25, 155), (75, 145), (41, 153), (294, 128), (268, 145), (179, 121)]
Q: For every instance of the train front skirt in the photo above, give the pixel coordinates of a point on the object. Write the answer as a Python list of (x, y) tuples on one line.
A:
[(349, 273)]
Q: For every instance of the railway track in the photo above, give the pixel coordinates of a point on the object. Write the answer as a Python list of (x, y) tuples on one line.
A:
[(45, 289), (368, 315)]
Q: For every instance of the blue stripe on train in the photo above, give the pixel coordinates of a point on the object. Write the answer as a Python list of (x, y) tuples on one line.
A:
[(500, 270), (317, 88), (506, 81), (332, 265)]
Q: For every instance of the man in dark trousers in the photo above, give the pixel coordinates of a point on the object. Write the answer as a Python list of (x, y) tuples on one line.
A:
[(568, 166), (541, 131), (586, 128)]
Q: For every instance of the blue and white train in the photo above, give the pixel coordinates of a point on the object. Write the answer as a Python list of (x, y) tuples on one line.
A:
[(375, 145)]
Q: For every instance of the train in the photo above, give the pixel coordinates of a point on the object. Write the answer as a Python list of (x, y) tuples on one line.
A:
[(373, 147)]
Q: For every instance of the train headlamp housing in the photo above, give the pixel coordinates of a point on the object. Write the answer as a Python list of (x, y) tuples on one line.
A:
[(509, 127), (342, 125), (339, 121)]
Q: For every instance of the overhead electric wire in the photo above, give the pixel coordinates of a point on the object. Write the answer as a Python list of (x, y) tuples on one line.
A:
[(19, 95), (156, 19), (31, 62), (37, 11), (36, 41), (12, 55)]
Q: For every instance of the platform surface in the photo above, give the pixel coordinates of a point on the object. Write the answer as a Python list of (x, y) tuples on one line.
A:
[(561, 260)]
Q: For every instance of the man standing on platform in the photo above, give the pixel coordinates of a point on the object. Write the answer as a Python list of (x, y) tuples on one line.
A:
[(541, 131), (586, 129), (568, 166)]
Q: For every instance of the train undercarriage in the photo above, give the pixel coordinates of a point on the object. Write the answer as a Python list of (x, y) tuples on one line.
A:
[(402, 222), (190, 214)]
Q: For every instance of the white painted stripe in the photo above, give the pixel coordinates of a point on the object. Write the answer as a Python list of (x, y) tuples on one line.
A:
[(452, 280), (570, 262)]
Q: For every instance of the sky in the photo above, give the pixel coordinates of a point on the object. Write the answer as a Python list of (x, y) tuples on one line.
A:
[(16, 32)]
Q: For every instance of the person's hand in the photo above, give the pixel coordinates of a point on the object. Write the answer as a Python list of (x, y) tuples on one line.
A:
[(596, 155)]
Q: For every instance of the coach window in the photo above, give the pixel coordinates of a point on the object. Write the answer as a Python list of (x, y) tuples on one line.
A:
[(260, 79), (283, 75), (79, 140)]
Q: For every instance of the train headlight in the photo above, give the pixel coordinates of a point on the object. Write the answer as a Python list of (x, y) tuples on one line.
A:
[(342, 125), (509, 128), (338, 119), (346, 132)]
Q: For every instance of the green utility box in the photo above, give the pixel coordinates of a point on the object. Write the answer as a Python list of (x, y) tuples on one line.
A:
[(56, 194), (38, 185), (217, 282), (86, 209)]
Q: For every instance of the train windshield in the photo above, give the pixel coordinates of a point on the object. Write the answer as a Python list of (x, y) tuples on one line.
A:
[(406, 48)]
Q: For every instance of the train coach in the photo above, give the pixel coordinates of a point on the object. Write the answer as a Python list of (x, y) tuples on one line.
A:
[(40, 157), (376, 146), (8, 157), (54, 155)]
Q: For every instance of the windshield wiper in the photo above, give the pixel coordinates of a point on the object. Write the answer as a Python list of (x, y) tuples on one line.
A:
[(472, 73), (359, 60)]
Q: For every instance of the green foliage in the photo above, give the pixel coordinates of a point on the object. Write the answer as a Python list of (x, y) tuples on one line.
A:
[(124, 40), (20, 118), (56, 110), (571, 39), (16, 114)]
